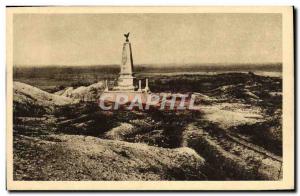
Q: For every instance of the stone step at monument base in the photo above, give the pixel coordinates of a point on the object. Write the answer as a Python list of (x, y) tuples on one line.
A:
[(124, 88), (125, 82)]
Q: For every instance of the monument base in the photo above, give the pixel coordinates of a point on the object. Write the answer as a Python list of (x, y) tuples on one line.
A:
[(125, 83), (124, 89)]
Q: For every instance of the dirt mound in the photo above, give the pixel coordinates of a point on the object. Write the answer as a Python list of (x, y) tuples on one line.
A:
[(239, 92), (232, 114), (125, 130), (71, 157), (84, 93), (31, 100), (231, 159)]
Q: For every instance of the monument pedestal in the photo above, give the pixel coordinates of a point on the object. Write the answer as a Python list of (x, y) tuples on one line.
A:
[(125, 83)]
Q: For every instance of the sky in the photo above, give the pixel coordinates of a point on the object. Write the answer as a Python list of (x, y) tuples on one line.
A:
[(96, 39)]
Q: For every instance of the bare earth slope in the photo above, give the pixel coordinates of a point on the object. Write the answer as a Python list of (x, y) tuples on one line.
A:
[(236, 135), (43, 152), (72, 157), (24, 93), (85, 93), (32, 101)]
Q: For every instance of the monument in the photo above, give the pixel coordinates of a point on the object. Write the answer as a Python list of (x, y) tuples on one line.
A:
[(125, 81)]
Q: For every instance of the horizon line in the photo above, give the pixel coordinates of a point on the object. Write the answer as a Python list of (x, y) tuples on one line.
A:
[(150, 64)]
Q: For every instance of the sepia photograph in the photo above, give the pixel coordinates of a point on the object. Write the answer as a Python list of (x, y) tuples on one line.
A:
[(150, 98)]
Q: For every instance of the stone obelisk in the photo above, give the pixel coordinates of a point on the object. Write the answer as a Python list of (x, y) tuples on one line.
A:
[(125, 81)]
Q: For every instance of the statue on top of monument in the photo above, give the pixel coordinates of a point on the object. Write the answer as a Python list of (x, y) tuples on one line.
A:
[(127, 35)]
